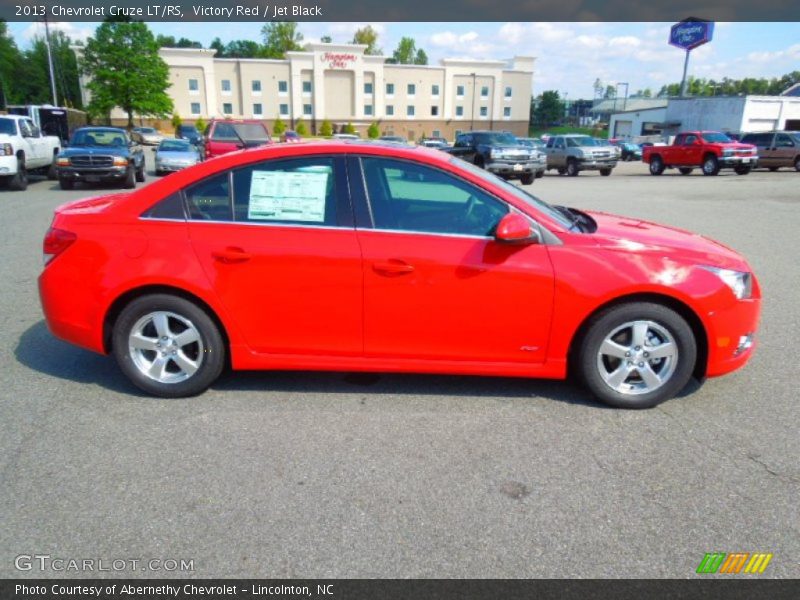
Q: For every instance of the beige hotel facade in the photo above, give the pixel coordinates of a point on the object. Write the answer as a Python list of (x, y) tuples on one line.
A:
[(342, 84)]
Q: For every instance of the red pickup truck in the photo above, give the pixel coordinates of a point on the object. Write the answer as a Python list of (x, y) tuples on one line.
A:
[(709, 150)]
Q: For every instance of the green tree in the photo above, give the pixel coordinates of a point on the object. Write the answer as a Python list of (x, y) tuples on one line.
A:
[(10, 64), (280, 38), (610, 92), (420, 58), (187, 43), (368, 36), (176, 121), (216, 44), (373, 132), (326, 129), (326, 39), (243, 49), (549, 108), (300, 128), (200, 124), (279, 127), (125, 70), (166, 41), (406, 52), (35, 88)]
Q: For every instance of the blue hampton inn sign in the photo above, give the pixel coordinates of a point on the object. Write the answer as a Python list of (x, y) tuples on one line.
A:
[(690, 34)]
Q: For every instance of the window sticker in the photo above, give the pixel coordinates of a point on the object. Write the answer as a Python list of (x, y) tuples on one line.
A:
[(282, 196)]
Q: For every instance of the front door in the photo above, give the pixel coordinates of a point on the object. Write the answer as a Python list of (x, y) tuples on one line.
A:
[(277, 242), (437, 286)]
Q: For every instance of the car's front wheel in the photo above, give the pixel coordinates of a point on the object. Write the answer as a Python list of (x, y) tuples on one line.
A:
[(710, 165), (637, 355), (527, 179), (168, 346), (656, 166)]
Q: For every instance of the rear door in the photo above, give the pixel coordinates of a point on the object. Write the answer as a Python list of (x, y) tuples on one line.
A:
[(785, 149), (277, 241)]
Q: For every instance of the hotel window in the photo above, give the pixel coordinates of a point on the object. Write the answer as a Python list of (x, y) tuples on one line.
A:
[(283, 87), (436, 133), (227, 108), (459, 111), (409, 111), (256, 85), (368, 88), (411, 89), (434, 90), (226, 85), (390, 89), (460, 91), (257, 110), (389, 110), (368, 110), (484, 111), (306, 87), (485, 92), (284, 109), (434, 111), (306, 109), (507, 112), (508, 91), (195, 108), (193, 85)]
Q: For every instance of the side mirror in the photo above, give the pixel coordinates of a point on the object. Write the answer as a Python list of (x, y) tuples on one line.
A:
[(515, 229)]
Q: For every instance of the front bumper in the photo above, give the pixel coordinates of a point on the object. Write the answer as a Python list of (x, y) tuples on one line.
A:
[(591, 164), (8, 165), (92, 174), (512, 168), (732, 336), (172, 167), (738, 161)]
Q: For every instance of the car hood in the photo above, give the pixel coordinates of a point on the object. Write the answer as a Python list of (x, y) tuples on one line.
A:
[(629, 235), (104, 151)]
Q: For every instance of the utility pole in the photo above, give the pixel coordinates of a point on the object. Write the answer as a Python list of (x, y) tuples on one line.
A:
[(50, 60)]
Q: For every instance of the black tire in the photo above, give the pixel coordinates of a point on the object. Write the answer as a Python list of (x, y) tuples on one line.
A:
[(130, 178), (539, 174), (140, 175), (52, 170), (19, 181), (685, 170), (710, 166), (797, 164), (561, 171), (741, 170), (773, 169), (527, 179), (656, 165), (210, 360), (605, 172), (572, 168), (610, 319), (66, 184)]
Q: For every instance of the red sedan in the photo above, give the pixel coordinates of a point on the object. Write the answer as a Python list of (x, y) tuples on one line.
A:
[(363, 257)]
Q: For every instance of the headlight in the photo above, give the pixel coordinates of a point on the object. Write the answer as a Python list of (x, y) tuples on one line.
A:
[(120, 161), (495, 153), (741, 283), (7, 149), (727, 152), (62, 161)]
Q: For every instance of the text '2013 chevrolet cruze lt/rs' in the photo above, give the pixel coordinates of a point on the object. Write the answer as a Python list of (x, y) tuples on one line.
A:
[(370, 257)]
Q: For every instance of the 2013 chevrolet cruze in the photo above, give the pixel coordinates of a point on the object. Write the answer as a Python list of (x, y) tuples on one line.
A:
[(359, 257)]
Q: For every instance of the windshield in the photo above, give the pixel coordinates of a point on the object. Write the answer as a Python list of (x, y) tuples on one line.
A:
[(99, 137), (245, 131), (495, 138), (8, 126), (536, 203), (716, 138), (580, 141), (175, 146)]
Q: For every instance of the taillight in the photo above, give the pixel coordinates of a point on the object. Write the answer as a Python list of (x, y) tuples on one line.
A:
[(55, 242)]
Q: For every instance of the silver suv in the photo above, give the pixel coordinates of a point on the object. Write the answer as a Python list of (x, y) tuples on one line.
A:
[(573, 153)]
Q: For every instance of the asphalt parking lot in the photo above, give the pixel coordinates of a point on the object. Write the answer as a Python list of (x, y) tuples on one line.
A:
[(336, 475)]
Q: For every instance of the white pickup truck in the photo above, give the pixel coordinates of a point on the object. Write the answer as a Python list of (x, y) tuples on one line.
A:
[(23, 148)]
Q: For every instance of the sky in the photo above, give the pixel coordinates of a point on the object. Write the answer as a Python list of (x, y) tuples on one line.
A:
[(570, 56)]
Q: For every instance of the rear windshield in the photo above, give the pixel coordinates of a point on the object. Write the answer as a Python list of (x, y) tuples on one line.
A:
[(8, 126), (94, 137), (234, 131), (175, 146), (716, 138)]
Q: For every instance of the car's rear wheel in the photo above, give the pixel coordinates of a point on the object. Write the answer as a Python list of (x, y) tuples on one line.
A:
[(19, 181), (773, 169), (572, 168), (685, 170), (168, 346), (561, 170), (742, 170), (637, 355), (797, 164), (527, 179), (539, 174), (140, 176), (656, 165), (710, 165)]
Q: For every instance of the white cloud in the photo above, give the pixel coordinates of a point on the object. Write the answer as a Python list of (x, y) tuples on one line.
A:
[(75, 33)]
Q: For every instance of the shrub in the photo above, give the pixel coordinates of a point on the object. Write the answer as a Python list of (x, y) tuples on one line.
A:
[(373, 132), (176, 121), (301, 128), (200, 124), (279, 127), (349, 128), (326, 129)]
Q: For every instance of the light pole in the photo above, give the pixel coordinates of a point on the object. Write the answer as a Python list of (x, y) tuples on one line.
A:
[(474, 94), (50, 60)]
